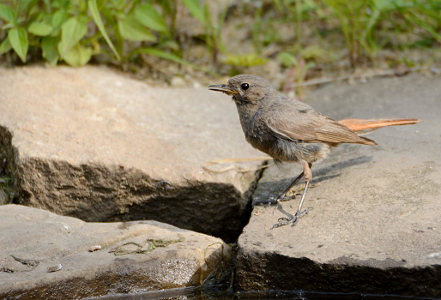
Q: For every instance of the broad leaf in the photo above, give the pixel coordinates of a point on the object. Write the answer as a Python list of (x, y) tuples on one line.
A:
[(39, 28), (131, 29), (5, 46), (58, 19), (7, 14), (150, 17), (71, 33), (99, 23), (77, 56), (49, 47), (19, 41)]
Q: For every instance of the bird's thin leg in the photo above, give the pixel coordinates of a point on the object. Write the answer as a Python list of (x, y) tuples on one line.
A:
[(285, 221), (283, 196), (299, 212)]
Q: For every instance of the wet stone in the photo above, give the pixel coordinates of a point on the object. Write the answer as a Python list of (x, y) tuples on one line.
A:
[(44, 255)]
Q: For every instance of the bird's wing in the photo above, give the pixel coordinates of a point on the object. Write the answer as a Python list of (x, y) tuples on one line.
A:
[(301, 122)]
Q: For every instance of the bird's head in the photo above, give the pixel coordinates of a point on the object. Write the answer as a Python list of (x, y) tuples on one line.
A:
[(245, 89)]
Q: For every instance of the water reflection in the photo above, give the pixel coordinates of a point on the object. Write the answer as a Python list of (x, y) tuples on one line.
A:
[(197, 293)]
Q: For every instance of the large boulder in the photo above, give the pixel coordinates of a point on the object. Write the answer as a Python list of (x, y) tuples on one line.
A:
[(44, 255), (374, 223), (97, 145)]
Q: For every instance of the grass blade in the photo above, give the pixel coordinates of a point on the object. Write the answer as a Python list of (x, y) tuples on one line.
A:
[(196, 9), (165, 55), (93, 7)]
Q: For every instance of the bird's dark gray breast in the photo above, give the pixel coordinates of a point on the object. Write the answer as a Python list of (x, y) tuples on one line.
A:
[(263, 138)]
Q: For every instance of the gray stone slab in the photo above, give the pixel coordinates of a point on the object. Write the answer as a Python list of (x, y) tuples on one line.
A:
[(375, 219), (47, 256), (98, 145)]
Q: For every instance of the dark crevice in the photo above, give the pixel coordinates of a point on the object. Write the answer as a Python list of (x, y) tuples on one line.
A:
[(245, 219), (96, 193), (8, 165)]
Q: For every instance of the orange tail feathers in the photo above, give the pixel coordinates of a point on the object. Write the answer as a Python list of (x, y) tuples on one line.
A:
[(363, 126)]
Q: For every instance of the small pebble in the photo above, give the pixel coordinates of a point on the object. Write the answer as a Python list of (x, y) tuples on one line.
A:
[(55, 268), (435, 70), (95, 248), (434, 255), (178, 82)]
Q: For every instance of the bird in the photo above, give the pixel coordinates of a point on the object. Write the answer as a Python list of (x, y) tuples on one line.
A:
[(289, 130)]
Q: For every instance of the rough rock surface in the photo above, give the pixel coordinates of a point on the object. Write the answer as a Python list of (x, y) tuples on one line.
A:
[(47, 256), (97, 145), (375, 222)]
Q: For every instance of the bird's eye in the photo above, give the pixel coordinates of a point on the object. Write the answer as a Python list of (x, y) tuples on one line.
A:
[(244, 86)]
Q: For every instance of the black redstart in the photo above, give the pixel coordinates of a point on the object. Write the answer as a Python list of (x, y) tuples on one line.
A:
[(290, 130)]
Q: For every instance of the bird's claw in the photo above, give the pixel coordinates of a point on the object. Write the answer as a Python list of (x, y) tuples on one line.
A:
[(275, 200), (291, 220), (285, 221), (284, 197)]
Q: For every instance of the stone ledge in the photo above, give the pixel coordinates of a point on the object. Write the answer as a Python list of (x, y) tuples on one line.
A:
[(98, 145), (374, 226), (131, 257)]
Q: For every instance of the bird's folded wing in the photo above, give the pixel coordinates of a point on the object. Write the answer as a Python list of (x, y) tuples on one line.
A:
[(307, 125)]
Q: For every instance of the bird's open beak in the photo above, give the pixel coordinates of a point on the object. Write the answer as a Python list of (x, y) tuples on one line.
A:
[(222, 88)]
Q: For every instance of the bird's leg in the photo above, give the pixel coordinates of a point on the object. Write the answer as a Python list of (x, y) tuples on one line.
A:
[(293, 219), (283, 196), (308, 176)]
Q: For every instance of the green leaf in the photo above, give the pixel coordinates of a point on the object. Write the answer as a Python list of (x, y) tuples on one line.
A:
[(40, 29), (383, 5), (245, 60), (19, 41), (7, 14), (99, 23), (49, 47), (150, 17), (5, 46), (165, 55), (196, 9), (25, 6), (58, 19), (78, 56), (287, 59), (71, 33), (131, 29)]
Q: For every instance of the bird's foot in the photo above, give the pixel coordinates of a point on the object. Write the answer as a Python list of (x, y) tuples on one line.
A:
[(292, 219), (275, 200), (284, 197)]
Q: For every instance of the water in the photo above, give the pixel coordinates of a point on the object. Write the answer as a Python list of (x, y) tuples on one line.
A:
[(197, 293)]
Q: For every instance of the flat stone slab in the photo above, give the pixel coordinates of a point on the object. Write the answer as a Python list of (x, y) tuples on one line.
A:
[(44, 255), (98, 145), (375, 219)]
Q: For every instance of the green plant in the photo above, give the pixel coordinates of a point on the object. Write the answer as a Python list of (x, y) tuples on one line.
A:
[(120, 31), (351, 15), (72, 31), (245, 60), (297, 70), (371, 24), (212, 36)]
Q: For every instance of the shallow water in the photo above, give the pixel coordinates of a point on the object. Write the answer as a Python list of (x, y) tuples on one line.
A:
[(200, 294)]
